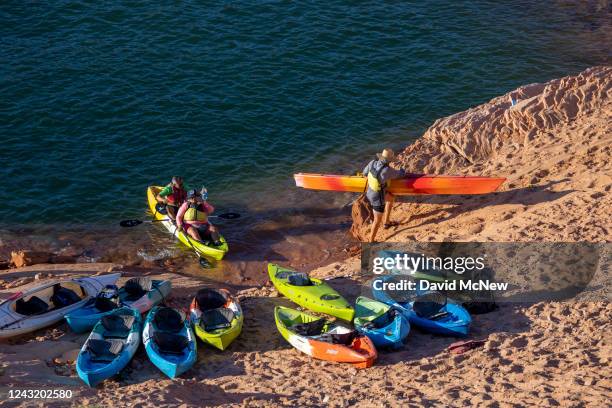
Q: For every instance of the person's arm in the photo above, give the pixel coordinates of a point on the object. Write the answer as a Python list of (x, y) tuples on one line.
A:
[(164, 192), (366, 169), (389, 173), (209, 208), (180, 214)]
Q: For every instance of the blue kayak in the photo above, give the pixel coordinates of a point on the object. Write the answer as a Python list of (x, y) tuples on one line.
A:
[(110, 346), (385, 326), (169, 341), (137, 293), (424, 310)]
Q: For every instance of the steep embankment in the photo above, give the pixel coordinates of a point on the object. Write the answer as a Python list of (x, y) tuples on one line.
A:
[(554, 146)]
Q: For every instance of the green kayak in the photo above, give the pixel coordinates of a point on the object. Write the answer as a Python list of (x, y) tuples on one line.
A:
[(310, 293)]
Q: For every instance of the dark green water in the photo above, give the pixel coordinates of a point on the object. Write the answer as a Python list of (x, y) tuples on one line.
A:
[(99, 100)]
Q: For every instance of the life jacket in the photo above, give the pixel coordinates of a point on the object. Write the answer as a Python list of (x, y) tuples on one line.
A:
[(178, 196), (196, 213), (374, 178)]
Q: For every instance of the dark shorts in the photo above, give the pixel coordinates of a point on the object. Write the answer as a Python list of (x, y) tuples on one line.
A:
[(204, 231), (379, 208)]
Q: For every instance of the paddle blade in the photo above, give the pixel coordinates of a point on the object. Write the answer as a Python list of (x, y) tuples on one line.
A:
[(229, 216), (130, 223)]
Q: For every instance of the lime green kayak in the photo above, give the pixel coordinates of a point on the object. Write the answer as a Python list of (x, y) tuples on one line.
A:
[(310, 293)]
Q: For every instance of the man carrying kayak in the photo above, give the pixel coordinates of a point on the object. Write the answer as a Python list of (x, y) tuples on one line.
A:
[(379, 174), (193, 215), (173, 195)]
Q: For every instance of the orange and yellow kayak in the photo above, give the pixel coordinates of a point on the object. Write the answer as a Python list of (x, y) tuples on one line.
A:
[(411, 184)]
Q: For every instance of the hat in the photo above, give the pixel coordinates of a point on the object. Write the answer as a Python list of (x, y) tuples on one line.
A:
[(387, 155)]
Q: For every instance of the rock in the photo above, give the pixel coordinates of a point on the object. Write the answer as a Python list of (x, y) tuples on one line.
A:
[(24, 258), (68, 357)]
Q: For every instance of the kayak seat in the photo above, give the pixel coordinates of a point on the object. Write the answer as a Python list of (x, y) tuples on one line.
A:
[(215, 319), (63, 297), (339, 338), (299, 279), (208, 299), (381, 321), (117, 326), (104, 350), (313, 328), (137, 288), (170, 343), (429, 304), (32, 306), (169, 320), (105, 304), (161, 208)]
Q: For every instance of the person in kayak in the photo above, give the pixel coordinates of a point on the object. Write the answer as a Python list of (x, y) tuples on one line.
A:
[(379, 174), (172, 196), (192, 217)]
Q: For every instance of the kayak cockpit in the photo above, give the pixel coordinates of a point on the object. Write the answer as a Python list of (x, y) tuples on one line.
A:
[(52, 297)]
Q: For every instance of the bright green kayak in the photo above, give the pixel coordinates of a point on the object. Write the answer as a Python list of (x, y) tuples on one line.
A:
[(310, 293)]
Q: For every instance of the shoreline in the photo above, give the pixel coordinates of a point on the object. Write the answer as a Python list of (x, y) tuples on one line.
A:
[(538, 353)]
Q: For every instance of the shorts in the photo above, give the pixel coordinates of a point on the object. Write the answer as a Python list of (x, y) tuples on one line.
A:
[(379, 208), (203, 230)]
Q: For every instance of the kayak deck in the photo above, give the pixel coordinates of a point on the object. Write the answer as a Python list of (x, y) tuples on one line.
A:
[(411, 184)]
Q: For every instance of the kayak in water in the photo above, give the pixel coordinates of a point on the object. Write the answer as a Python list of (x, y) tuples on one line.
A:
[(384, 325), (169, 341), (110, 346), (138, 293), (217, 317), (202, 248), (324, 340), (411, 184), (311, 293), (47, 304)]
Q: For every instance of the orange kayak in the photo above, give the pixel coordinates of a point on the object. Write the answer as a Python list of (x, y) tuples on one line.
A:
[(324, 340), (411, 184)]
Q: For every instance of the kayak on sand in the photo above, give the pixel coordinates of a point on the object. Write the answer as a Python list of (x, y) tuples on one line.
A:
[(217, 317), (411, 184), (138, 293), (311, 293), (47, 304), (202, 248), (385, 326)]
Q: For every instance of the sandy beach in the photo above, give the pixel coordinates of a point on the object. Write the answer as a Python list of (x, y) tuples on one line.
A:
[(554, 145)]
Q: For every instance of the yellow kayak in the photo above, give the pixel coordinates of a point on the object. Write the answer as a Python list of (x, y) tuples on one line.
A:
[(201, 248)]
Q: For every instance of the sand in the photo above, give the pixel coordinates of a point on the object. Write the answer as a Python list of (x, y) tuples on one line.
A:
[(554, 147)]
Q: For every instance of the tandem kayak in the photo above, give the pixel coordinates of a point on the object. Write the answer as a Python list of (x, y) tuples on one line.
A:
[(217, 317), (321, 339), (431, 311), (411, 184), (47, 304), (169, 341), (202, 248), (110, 346), (385, 326), (137, 293), (310, 293)]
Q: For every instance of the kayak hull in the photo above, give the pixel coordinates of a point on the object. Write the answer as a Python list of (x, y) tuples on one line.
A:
[(219, 338), (92, 372), (173, 364), (318, 297), (84, 319), (415, 184), (361, 353), (391, 335), (209, 251), (13, 324), (456, 324)]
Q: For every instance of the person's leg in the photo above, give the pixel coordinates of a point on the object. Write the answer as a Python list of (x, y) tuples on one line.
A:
[(389, 200), (171, 211), (375, 224), (214, 234), (194, 233)]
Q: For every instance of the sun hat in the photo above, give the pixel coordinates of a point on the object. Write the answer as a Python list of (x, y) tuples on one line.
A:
[(387, 155)]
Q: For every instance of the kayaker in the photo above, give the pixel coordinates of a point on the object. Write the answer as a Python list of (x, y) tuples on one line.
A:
[(379, 173), (192, 217), (173, 195)]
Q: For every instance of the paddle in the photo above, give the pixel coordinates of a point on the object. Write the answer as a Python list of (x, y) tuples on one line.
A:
[(135, 222)]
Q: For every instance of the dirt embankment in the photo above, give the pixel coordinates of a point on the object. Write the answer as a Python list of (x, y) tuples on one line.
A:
[(554, 145)]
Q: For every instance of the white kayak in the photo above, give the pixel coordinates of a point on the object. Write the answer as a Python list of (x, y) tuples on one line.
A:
[(42, 306)]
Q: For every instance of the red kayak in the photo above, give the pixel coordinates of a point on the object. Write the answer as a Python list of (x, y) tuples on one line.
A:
[(411, 184)]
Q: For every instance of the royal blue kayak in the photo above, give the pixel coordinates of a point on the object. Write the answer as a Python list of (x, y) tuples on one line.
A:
[(422, 310), (385, 326), (169, 341), (110, 346), (137, 293)]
